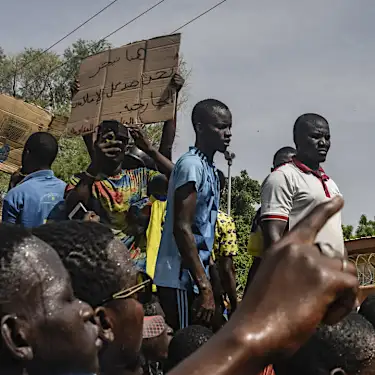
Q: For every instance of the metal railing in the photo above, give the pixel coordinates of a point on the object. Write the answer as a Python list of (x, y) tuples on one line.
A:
[(365, 265)]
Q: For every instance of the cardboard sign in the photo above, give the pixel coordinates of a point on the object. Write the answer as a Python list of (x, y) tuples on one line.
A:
[(131, 84), (18, 120)]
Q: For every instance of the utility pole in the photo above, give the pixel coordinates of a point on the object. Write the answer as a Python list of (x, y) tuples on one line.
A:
[(229, 156)]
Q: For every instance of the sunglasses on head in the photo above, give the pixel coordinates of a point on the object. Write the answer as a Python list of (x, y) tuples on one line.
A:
[(142, 290)]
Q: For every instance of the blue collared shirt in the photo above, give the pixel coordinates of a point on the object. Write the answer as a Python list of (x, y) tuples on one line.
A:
[(31, 203), (191, 167)]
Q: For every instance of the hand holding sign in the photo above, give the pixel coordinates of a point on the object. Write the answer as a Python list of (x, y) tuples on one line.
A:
[(74, 88), (134, 83), (177, 82), (140, 138)]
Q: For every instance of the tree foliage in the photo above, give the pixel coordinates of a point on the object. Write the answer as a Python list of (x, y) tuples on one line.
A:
[(365, 228), (244, 197), (45, 79)]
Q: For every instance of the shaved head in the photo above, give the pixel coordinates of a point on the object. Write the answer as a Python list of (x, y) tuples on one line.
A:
[(305, 122), (312, 138), (207, 110)]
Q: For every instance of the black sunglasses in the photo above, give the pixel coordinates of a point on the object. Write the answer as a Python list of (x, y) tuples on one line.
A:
[(143, 289)]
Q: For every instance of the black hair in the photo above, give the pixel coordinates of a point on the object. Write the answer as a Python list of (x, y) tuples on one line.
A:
[(43, 148), (367, 309), (11, 270), (93, 267), (153, 308), (349, 345), (186, 342), (303, 120), (221, 179), (205, 110), (280, 155)]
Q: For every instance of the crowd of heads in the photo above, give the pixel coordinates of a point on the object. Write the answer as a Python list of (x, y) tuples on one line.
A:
[(72, 300)]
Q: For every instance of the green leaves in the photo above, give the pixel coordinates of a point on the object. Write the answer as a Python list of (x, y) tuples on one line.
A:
[(366, 228), (245, 195)]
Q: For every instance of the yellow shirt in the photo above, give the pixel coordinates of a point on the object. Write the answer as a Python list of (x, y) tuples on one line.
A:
[(225, 243), (255, 245), (153, 235)]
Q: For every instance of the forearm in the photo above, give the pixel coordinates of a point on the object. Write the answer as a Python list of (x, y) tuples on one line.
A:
[(189, 253), (272, 230), (228, 276), (164, 164), (167, 138), (235, 349), (81, 193)]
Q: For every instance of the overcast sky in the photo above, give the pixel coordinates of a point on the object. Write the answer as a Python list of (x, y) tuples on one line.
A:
[(269, 61)]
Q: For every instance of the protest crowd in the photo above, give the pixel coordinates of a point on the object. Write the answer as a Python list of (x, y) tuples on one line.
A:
[(128, 268)]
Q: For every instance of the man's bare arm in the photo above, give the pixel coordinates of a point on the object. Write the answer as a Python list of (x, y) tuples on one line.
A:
[(167, 138), (228, 277), (81, 193), (272, 230), (184, 214)]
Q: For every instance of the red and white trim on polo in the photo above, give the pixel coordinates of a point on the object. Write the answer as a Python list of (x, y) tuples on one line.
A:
[(320, 174), (291, 191)]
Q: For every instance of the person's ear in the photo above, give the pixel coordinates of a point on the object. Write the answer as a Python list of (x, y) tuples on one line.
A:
[(14, 333), (104, 321), (198, 128)]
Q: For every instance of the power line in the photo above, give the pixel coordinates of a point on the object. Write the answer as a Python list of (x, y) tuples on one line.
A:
[(109, 35), (199, 16), (69, 34), (134, 19), (140, 15), (113, 32)]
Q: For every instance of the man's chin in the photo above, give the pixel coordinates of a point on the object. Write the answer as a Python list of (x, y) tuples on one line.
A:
[(322, 158), (223, 149)]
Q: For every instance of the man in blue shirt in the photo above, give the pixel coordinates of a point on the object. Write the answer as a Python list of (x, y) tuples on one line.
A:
[(32, 201), (193, 199)]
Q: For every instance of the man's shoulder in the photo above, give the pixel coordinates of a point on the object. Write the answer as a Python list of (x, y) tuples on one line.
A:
[(287, 169), (189, 158), (58, 181), (333, 186), (21, 190), (187, 166)]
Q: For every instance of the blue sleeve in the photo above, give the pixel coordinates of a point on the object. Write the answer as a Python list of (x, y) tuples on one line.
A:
[(11, 209), (188, 170)]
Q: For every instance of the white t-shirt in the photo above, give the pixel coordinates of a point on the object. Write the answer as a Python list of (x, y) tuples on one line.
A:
[(292, 191)]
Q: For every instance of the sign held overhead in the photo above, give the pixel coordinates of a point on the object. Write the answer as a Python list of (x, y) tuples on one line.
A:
[(131, 84)]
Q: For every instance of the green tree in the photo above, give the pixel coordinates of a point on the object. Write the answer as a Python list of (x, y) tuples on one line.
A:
[(365, 227), (347, 231), (71, 61), (245, 196), (26, 75), (72, 158), (45, 79)]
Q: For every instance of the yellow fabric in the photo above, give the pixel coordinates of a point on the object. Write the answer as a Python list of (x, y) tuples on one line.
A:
[(153, 235), (225, 243), (255, 245)]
